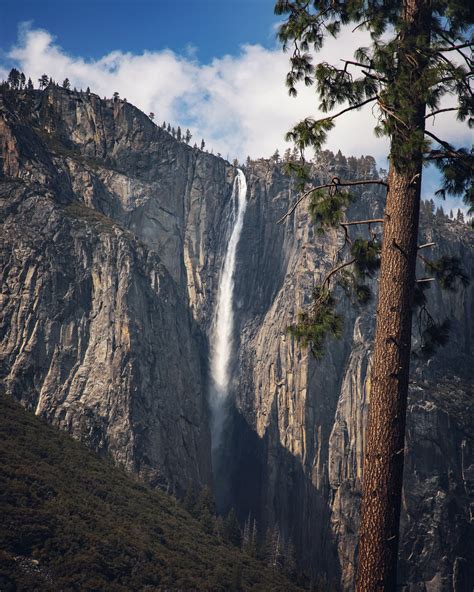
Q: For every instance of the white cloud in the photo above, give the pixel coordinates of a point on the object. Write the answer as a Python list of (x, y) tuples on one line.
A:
[(239, 104)]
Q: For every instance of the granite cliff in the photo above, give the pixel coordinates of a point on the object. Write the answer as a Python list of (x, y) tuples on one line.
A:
[(113, 235)]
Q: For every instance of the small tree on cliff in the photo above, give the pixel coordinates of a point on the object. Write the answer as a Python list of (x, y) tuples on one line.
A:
[(418, 54)]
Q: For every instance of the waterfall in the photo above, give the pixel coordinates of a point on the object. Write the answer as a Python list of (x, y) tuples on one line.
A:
[(223, 320)]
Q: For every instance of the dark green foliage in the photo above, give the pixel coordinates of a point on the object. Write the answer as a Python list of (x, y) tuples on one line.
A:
[(206, 502), (300, 171), (14, 78), (190, 501), (363, 293), (73, 521), (448, 270), (318, 322), (434, 336), (367, 256), (419, 296), (43, 81), (327, 208), (231, 531), (380, 79)]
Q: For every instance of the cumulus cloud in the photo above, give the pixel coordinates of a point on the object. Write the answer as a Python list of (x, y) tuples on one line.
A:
[(238, 103)]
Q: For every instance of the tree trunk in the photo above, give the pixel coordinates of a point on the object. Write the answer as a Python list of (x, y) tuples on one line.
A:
[(385, 436)]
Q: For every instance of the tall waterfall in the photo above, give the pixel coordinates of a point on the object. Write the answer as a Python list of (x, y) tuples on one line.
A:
[(223, 321)]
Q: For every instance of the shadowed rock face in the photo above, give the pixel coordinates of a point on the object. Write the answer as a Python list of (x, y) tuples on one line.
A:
[(112, 240)]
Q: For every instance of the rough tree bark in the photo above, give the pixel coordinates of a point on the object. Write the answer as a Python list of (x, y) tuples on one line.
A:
[(385, 437)]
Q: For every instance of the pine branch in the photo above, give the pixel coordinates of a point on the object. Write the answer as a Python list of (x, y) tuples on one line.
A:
[(391, 113), (358, 106), (433, 113), (457, 48), (441, 154), (372, 221), (454, 47), (333, 184), (359, 64), (441, 142), (335, 270), (375, 77), (456, 77)]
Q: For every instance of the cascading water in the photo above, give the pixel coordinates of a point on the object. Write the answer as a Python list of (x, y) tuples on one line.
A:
[(223, 321)]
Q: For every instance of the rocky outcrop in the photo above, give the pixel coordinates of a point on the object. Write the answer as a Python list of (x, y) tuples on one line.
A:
[(112, 240), (97, 334), (309, 415)]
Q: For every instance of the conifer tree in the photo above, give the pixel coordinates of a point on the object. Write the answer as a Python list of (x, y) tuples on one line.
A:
[(190, 501), (419, 53), (231, 531), (206, 501), (43, 81), (66, 84), (14, 78)]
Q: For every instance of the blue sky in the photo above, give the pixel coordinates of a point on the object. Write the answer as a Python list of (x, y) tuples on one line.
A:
[(211, 65), (93, 28)]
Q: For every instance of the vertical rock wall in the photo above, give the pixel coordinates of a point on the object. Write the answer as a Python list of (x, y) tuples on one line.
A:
[(112, 240)]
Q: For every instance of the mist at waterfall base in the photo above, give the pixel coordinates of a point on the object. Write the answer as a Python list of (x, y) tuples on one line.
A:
[(222, 332)]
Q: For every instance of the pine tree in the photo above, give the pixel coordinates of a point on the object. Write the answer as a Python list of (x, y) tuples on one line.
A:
[(206, 501), (273, 548), (231, 531), (187, 136), (206, 521), (66, 84), (404, 74), (178, 134), (291, 566), (151, 115), (203, 144), (22, 80), (190, 501), (29, 84), (14, 78), (460, 216), (43, 81)]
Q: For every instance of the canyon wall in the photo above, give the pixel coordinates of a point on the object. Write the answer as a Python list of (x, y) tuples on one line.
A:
[(113, 235)]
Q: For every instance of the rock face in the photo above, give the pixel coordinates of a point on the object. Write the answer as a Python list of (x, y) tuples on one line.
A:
[(112, 239)]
